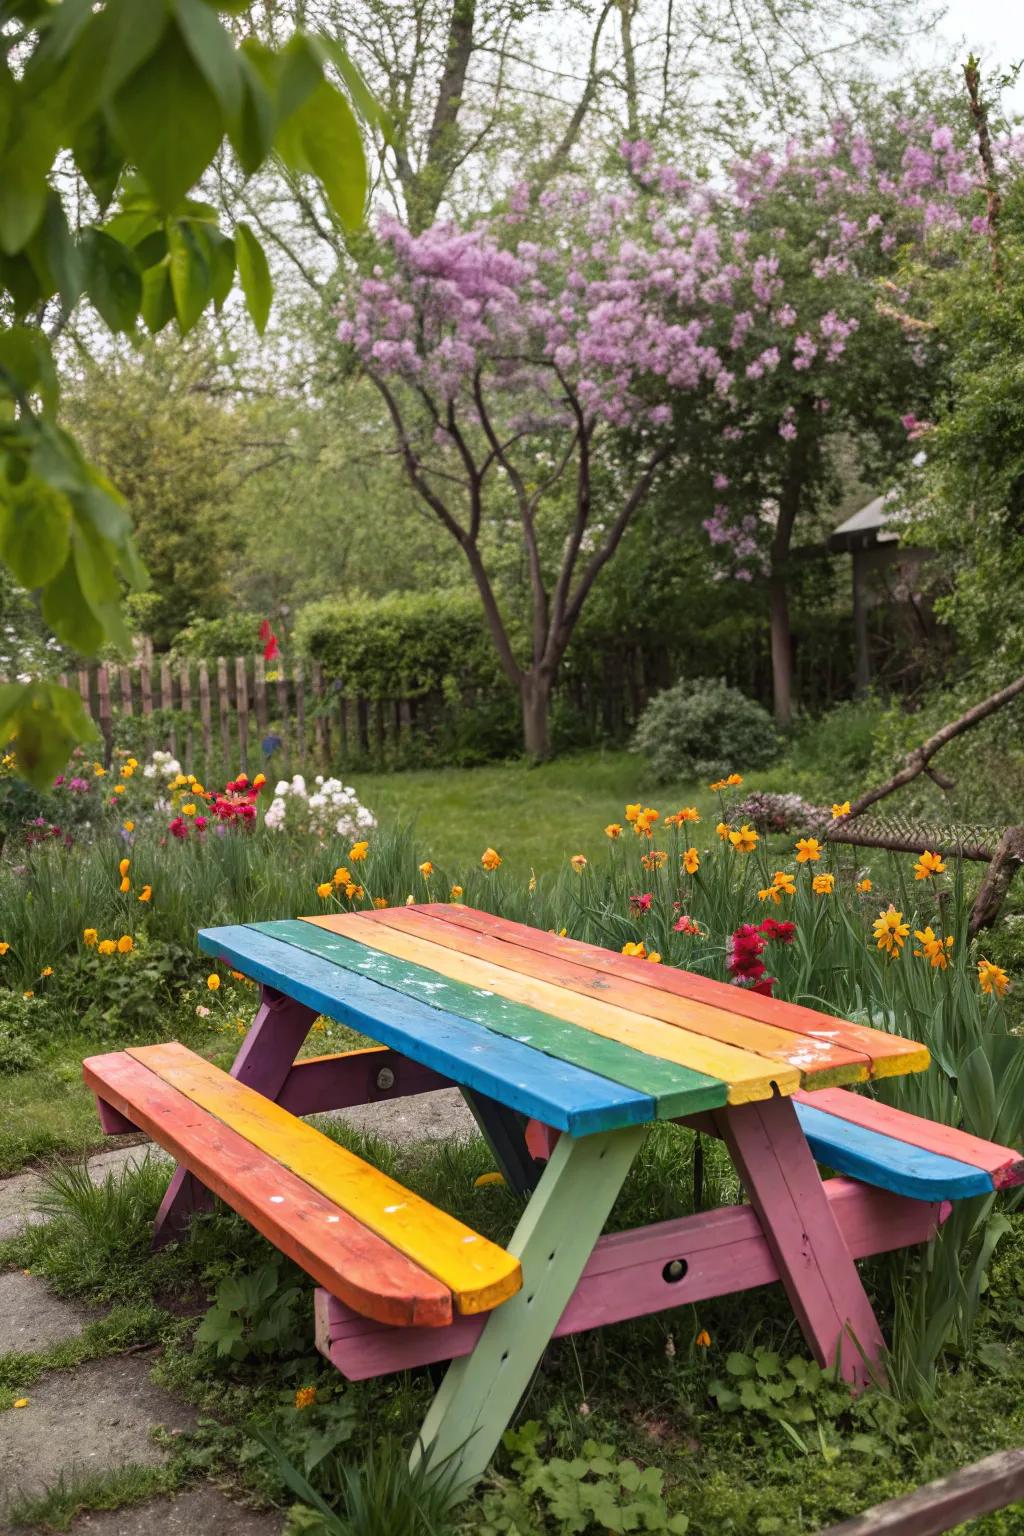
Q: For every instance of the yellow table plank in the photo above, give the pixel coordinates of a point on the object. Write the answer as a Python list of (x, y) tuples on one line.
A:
[(478, 1272), (747, 1075)]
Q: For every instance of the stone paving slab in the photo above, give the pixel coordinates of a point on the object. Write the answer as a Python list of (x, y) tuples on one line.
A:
[(18, 1194), (91, 1419), (32, 1317), (420, 1117), (198, 1512)]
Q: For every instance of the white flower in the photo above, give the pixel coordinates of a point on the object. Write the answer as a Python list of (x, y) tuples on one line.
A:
[(282, 787), (298, 785), (275, 814), (316, 801)]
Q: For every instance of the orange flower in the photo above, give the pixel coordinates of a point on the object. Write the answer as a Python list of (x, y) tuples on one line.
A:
[(125, 944), (380, 902), (808, 850), (358, 851), (688, 813), (864, 886), (745, 840), (703, 1339), (633, 811), (305, 1397), (126, 886), (656, 859), (691, 861), (638, 950), (426, 869), (89, 938), (490, 858), (992, 979), (841, 808), (613, 830), (457, 893), (823, 885), (579, 862), (723, 829), (146, 894), (933, 948), (124, 866), (927, 865)]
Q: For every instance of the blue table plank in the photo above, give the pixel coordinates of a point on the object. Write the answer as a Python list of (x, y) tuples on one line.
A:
[(566, 1097), (887, 1163)]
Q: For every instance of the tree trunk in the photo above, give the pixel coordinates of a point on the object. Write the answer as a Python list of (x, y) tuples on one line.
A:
[(782, 649), (535, 696)]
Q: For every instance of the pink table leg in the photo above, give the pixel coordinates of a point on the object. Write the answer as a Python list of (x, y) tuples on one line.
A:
[(264, 1061), (772, 1158)]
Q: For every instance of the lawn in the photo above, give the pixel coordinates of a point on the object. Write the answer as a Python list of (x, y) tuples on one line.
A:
[(535, 817)]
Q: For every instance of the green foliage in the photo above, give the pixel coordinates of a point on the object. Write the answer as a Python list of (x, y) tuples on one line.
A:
[(20, 1044), (379, 1496), (255, 1315), (704, 729), (144, 101), (594, 1491), (113, 996)]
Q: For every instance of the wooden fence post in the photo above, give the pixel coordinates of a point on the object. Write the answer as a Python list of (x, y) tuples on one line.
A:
[(300, 715), (126, 689), (323, 735), (167, 704), (106, 718), (242, 710), (185, 684), (222, 704), (282, 709), (204, 714)]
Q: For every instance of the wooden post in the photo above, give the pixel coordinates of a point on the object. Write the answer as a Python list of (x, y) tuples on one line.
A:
[(363, 727), (126, 689), (204, 714), (300, 715), (242, 710), (343, 730), (106, 719), (145, 687), (379, 730), (185, 684), (167, 704), (222, 705), (85, 689), (261, 695), (323, 739), (995, 1483)]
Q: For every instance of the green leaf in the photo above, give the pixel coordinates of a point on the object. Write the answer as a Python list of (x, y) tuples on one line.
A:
[(132, 35), (35, 523), (46, 722), (23, 193), (252, 129), (68, 614), (222, 266), (157, 297), (21, 357), (168, 121), (213, 51), (98, 158), (254, 276), (18, 276), (97, 578), (365, 102), (112, 279), (323, 137), (62, 254), (191, 283)]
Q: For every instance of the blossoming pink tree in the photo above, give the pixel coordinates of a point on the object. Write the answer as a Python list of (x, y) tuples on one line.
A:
[(540, 367)]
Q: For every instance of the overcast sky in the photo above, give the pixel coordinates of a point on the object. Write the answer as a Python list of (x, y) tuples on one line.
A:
[(993, 29)]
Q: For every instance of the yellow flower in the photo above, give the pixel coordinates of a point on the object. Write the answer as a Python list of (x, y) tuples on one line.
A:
[(656, 859), (119, 789), (633, 811), (5, 946), (579, 862), (890, 930), (864, 886), (189, 810), (457, 893), (28, 994), (933, 948), (128, 826), (770, 893), (643, 825), (259, 781), (127, 771), (490, 858), (21, 1402), (98, 770), (146, 893), (355, 893), (358, 851), (126, 886), (691, 861), (823, 885), (426, 869), (533, 881), (703, 1339), (927, 865), (729, 782), (124, 866), (745, 840), (47, 970), (639, 950), (784, 882), (380, 902), (305, 1397), (992, 978), (487, 1180), (613, 829), (808, 850), (723, 829), (325, 890), (654, 957), (125, 944), (688, 813), (841, 808), (213, 982), (106, 946), (191, 778), (342, 877), (89, 937)]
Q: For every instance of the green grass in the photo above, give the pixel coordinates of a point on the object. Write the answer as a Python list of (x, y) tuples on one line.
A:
[(535, 817), (57, 1507)]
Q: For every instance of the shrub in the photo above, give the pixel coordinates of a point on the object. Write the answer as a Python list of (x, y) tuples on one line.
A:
[(19, 1048), (704, 728)]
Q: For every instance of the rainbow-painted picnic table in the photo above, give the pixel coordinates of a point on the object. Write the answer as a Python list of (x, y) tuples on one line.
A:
[(566, 1053)]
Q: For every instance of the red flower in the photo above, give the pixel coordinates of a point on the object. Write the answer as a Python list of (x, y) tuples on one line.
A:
[(764, 986), (200, 822), (265, 630), (178, 827), (687, 925), (641, 903), (271, 650), (784, 932)]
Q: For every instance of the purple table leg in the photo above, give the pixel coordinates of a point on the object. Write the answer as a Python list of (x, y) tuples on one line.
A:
[(263, 1063), (772, 1158)]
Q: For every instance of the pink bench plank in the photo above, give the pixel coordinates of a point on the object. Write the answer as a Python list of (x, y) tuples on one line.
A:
[(1003, 1164), (724, 1251)]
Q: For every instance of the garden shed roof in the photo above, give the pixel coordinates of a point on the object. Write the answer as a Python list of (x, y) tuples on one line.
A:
[(875, 523)]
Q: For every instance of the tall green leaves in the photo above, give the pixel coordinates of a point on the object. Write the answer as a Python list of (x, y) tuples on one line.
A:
[(145, 97)]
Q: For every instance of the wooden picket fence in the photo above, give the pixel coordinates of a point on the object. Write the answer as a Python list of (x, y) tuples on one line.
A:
[(226, 714)]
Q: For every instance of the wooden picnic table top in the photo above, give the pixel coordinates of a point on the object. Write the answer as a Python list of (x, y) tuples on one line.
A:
[(579, 1037)]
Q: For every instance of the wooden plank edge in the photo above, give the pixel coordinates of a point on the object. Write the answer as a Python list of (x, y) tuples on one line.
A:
[(980, 1489)]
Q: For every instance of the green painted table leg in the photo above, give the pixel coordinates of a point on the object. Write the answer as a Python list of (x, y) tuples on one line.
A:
[(553, 1241)]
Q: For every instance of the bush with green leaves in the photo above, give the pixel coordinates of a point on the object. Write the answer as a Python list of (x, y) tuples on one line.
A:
[(20, 1043), (703, 728)]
